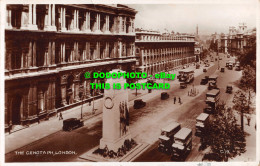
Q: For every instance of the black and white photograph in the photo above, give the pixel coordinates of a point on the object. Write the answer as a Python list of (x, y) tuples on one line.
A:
[(129, 82)]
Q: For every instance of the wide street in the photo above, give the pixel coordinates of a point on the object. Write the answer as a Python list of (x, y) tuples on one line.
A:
[(145, 123)]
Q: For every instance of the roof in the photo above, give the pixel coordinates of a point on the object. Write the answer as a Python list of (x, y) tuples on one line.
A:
[(202, 117), (213, 76), (163, 137), (170, 127), (213, 92), (182, 133)]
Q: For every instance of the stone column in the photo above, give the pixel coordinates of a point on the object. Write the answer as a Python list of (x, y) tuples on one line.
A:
[(76, 87), (63, 90), (63, 19), (87, 24), (98, 23), (8, 19), (107, 24), (24, 19)]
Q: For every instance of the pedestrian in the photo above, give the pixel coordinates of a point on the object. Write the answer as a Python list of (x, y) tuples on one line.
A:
[(180, 100), (60, 117), (248, 119), (174, 99), (188, 93)]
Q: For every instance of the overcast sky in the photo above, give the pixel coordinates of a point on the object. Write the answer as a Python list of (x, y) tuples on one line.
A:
[(183, 18)]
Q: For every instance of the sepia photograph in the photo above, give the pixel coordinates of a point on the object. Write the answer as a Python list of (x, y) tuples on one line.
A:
[(129, 82)]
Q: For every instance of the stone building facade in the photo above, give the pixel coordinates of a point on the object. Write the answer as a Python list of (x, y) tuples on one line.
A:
[(156, 52), (48, 48), (236, 40)]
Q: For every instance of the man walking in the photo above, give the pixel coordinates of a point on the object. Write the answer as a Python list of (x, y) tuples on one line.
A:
[(180, 100), (60, 117), (174, 99)]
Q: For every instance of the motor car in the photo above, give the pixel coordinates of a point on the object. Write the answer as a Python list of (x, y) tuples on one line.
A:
[(228, 56), (203, 81), (220, 58), (222, 69), (229, 89), (72, 123), (139, 103), (207, 65), (197, 66), (204, 70), (164, 95), (183, 85)]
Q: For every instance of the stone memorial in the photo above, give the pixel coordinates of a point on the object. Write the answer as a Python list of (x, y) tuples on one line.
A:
[(115, 115)]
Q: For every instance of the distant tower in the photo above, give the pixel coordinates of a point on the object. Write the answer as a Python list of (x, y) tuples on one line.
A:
[(242, 28), (197, 30)]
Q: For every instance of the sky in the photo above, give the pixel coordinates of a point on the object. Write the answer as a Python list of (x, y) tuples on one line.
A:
[(184, 18)]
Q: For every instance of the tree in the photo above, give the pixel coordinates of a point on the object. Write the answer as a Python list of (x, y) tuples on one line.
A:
[(223, 136)]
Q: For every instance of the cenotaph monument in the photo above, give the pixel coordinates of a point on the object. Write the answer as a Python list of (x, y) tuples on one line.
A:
[(115, 115)]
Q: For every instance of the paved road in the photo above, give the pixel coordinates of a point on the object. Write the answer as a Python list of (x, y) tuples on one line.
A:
[(145, 125), (191, 111)]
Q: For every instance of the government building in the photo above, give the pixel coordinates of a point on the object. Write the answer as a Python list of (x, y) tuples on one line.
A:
[(237, 39), (158, 52), (48, 48)]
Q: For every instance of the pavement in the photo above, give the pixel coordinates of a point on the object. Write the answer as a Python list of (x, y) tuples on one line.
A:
[(31, 134)]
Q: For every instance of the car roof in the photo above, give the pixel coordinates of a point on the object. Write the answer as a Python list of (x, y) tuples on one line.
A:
[(182, 133), (202, 117), (171, 126), (213, 92), (213, 76), (163, 137), (70, 119)]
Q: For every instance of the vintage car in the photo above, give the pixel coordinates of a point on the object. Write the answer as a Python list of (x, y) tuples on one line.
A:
[(183, 85), (166, 139), (220, 58), (222, 69), (164, 95), (139, 103), (207, 65), (72, 123), (203, 81), (201, 123), (197, 66), (229, 89), (204, 70), (182, 144), (228, 56)]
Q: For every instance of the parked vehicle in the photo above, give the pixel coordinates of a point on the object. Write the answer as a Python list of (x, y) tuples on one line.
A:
[(197, 66), (201, 123), (166, 138), (212, 101), (139, 103), (207, 65), (72, 123), (204, 70), (183, 85), (229, 89), (222, 69), (164, 95), (182, 144), (228, 56)]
